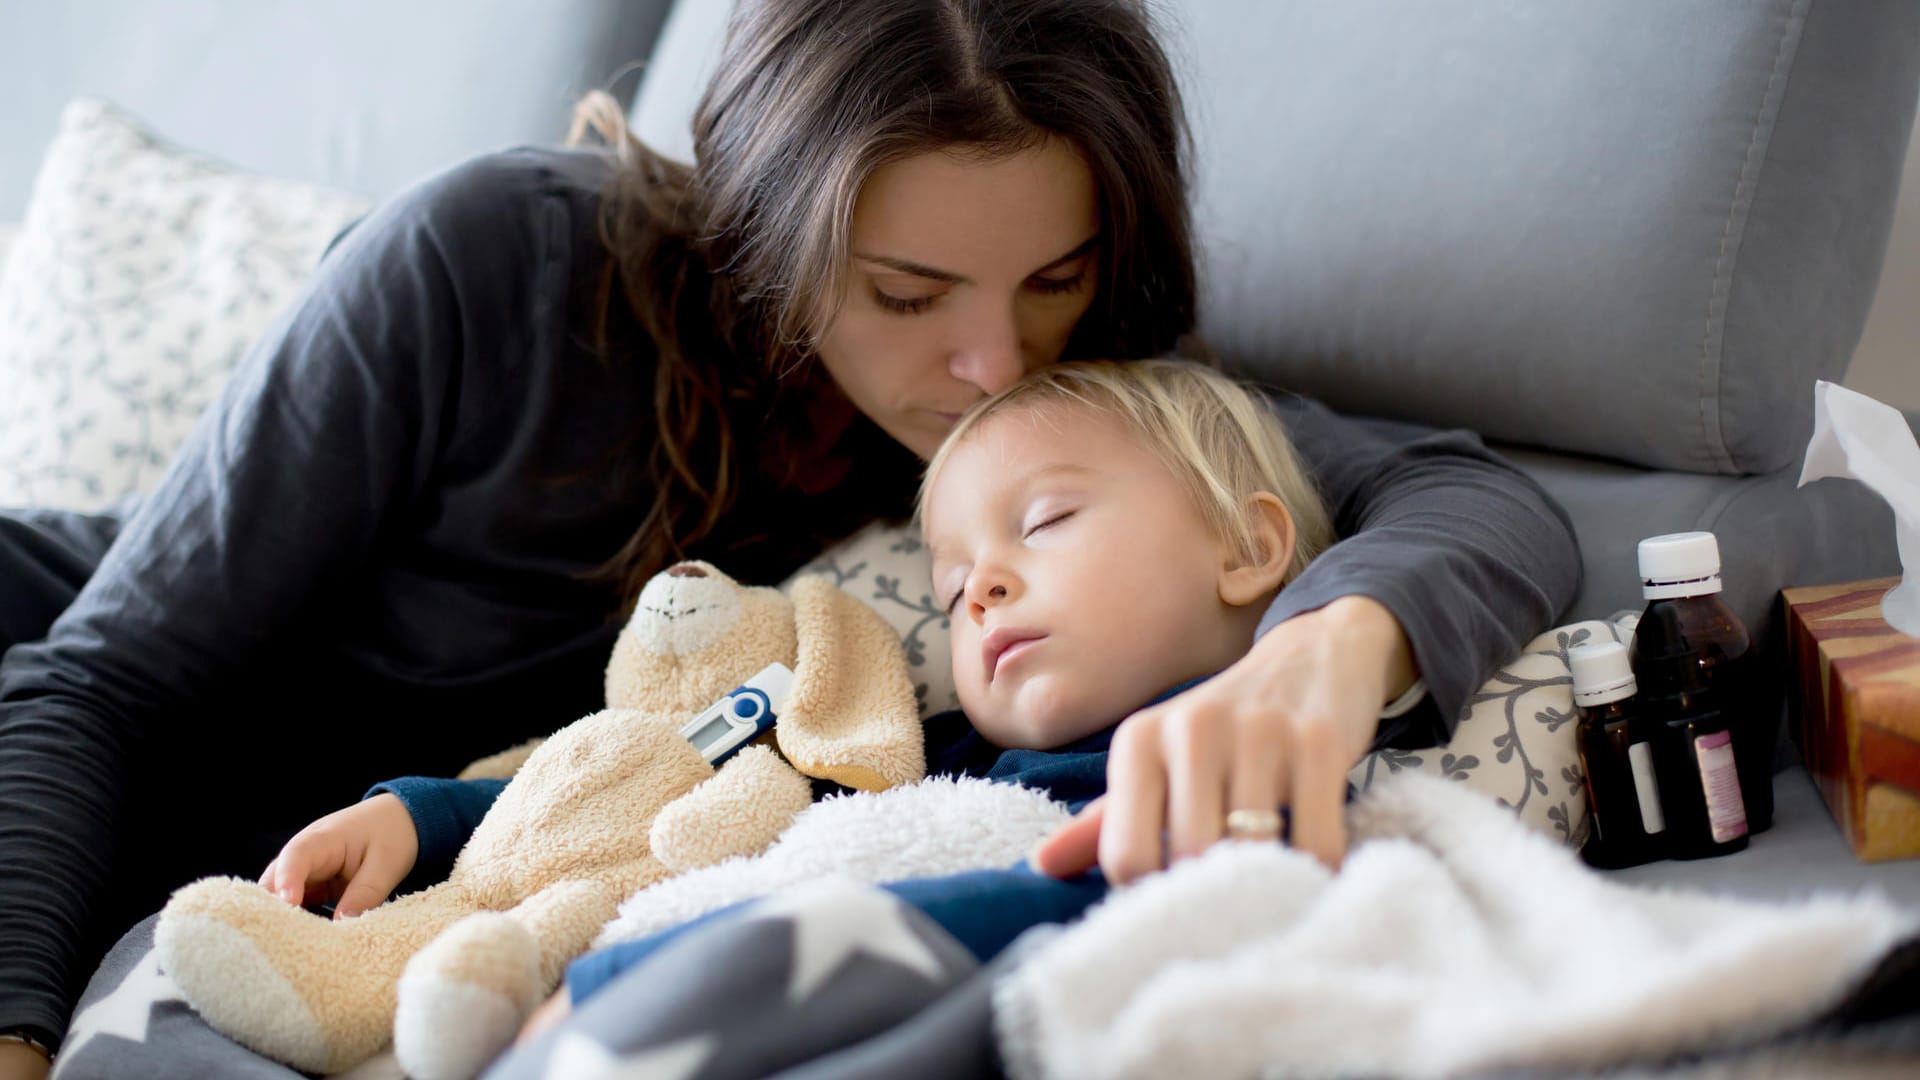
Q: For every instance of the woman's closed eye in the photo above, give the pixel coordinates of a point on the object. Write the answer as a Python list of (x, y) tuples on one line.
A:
[(1048, 286), (914, 305), (904, 305)]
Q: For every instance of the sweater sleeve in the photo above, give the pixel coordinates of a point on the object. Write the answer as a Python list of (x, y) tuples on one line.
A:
[(1469, 553), (445, 813), (277, 497)]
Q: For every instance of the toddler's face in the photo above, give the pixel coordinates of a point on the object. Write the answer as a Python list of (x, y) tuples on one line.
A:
[(1079, 576)]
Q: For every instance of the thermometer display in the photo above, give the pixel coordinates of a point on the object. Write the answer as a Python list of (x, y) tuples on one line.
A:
[(746, 711)]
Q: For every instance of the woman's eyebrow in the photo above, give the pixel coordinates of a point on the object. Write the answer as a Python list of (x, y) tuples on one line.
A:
[(907, 266)]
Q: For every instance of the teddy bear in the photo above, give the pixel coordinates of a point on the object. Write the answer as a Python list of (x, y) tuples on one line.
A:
[(606, 806)]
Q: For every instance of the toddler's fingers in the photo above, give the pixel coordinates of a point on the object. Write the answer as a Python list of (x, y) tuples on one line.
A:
[(376, 877), (276, 881)]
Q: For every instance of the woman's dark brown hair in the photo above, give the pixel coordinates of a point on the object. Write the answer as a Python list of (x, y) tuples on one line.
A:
[(734, 267)]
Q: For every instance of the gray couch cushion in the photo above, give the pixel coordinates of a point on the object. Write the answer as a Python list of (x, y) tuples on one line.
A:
[(1635, 229), (365, 95), (1772, 534)]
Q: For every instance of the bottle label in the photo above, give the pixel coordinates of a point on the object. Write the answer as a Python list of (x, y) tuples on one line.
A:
[(1652, 821), (1726, 811)]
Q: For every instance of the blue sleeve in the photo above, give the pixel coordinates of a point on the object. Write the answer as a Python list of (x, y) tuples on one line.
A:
[(445, 813)]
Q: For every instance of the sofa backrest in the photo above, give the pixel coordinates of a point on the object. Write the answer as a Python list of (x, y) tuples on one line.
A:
[(1636, 229), (365, 95)]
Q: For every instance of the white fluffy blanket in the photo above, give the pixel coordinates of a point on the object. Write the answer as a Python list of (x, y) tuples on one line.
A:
[(1454, 940), (932, 828)]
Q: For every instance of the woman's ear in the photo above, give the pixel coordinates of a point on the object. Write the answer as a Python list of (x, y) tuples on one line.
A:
[(1242, 582)]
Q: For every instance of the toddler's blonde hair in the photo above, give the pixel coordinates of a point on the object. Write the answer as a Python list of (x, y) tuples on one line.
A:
[(1222, 441)]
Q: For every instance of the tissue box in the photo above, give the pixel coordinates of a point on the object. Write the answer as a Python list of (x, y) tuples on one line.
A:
[(1856, 709)]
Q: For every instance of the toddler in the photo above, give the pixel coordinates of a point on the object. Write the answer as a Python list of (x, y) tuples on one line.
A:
[(1103, 536)]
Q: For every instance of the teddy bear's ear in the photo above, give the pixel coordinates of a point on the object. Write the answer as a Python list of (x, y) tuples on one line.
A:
[(851, 715)]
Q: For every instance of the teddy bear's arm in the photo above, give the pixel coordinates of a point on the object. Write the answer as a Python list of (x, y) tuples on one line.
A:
[(738, 811)]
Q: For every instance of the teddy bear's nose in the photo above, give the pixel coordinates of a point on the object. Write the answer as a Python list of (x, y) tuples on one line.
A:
[(685, 570)]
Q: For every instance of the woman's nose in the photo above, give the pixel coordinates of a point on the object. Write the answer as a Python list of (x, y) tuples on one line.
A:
[(990, 356)]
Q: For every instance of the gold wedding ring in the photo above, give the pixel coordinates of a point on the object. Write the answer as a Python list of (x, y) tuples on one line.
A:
[(1253, 825)]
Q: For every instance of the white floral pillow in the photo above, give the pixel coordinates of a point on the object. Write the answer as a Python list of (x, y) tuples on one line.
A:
[(140, 274), (1515, 742)]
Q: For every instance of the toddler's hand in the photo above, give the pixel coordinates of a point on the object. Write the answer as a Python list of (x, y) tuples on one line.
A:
[(353, 857)]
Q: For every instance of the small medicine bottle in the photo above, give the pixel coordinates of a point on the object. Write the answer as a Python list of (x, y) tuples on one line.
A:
[(1686, 621), (1616, 754)]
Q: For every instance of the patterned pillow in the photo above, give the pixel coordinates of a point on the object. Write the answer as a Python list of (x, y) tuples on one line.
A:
[(1515, 742), (141, 273)]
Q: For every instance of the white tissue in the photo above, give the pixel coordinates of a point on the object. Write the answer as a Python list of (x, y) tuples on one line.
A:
[(1858, 437)]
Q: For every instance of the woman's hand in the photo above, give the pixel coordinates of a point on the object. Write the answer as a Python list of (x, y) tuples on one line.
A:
[(1281, 727), (353, 857), (21, 1062)]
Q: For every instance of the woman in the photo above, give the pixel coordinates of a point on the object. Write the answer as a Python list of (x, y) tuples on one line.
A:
[(402, 537)]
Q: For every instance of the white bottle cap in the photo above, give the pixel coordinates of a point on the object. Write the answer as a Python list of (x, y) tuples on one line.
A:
[(1679, 564), (1601, 673)]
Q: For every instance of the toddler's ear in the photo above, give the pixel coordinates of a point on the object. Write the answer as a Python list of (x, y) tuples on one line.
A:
[(1242, 582)]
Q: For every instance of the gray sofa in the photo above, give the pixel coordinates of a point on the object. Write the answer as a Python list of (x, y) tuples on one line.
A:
[(1619, 239)]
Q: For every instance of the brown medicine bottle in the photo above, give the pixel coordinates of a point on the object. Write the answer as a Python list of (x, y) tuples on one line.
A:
[(1686, 618), (1616, 754)]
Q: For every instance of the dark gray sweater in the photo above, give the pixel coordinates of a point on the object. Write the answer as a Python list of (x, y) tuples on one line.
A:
[(382, 535)]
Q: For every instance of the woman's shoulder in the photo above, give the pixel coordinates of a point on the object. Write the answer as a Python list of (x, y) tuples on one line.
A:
[(509, 206), (522, 178)]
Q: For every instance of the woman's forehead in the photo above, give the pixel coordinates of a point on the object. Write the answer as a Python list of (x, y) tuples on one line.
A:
[(975, 217)]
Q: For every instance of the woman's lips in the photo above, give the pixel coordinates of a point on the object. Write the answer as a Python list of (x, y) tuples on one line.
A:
[(1004, 643)]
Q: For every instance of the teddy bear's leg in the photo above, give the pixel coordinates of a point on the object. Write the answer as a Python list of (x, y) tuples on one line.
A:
[(295, 986), (463, 997)]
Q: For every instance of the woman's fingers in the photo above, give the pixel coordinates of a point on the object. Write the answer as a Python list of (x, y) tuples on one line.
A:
[(1195, 746), (1074, 848), (1136, 810), (1257, 773), (1319, 789)]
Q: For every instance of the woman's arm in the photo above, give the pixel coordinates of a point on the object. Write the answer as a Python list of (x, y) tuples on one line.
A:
[(1451, 560), (279, 497)]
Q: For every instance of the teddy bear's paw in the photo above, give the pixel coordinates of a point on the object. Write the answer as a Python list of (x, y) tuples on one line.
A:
[(271, 976), (738, 811), (463, 997)]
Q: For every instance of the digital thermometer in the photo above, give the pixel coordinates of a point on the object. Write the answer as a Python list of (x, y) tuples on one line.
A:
[(735, 720)]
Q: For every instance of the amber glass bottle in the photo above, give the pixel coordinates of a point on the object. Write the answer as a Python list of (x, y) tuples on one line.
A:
[(1685, 617), (1616, 754)]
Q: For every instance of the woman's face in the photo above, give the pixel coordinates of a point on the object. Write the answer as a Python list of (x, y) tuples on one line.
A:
[(964, 274)]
